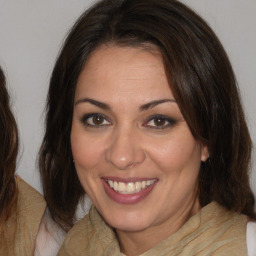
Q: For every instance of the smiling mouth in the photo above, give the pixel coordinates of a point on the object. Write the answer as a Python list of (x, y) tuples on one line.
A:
[(130, 187)]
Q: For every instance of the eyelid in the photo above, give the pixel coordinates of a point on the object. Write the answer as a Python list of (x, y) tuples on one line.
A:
[(85, 118), (170, 120)]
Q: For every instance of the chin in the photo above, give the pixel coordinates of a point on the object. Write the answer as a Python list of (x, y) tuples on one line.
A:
[(130, 222), (129, 227)]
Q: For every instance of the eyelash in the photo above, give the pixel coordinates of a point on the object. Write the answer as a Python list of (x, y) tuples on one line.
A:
[(85, 120), (168, 122)]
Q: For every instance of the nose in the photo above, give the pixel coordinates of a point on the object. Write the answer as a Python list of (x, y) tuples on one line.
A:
[(125, 150)]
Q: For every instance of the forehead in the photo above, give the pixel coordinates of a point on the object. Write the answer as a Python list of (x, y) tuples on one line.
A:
[(118, 70)]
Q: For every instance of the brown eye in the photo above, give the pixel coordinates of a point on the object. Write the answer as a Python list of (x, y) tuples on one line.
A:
[(159, 121), (95, 120)]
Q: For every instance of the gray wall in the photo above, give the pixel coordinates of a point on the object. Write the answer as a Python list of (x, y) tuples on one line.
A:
[(31, 33)]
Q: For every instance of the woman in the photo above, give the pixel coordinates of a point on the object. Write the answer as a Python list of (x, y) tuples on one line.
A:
[(144, 116), (21, 207)]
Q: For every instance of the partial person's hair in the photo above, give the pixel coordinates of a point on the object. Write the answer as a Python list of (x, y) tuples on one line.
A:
[(8, 152), (200, 77)]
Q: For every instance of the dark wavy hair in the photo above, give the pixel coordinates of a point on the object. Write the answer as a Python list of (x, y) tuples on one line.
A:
[(200, 77), (8, 153)]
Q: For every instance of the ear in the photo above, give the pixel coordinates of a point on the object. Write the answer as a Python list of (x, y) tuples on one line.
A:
[(204, 153)]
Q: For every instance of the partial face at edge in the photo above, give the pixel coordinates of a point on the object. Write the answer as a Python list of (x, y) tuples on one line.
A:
[(134, 153)]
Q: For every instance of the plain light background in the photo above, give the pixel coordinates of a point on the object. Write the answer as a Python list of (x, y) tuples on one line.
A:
[(32, 32)]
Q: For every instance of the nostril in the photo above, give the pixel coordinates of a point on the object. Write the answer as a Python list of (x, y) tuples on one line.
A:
[(124, 151), (125, 162)]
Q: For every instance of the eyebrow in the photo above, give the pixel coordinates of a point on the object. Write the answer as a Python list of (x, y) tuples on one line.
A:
[(143, 107), (154, 103), (94, 102)]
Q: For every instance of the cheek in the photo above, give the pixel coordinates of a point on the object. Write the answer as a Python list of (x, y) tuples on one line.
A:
[(85, 149), (87, 155), (177, 154)]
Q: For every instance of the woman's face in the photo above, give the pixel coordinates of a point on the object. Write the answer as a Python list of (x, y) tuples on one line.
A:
[(133, 151)]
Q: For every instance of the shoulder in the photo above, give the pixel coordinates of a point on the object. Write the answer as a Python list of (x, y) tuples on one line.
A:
[(29, 198), (223, 231), (89, 236), (77, 240), (28, 215), (251, 238), (30, 205), (51, 235)]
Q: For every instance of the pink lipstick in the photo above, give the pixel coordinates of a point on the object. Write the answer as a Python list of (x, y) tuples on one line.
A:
[(129, 191)]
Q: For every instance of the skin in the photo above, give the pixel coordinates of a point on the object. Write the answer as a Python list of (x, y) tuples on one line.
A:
[(126, 142)]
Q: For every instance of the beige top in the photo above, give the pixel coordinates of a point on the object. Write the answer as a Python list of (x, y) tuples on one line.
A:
[(17, 235), (213, 231)]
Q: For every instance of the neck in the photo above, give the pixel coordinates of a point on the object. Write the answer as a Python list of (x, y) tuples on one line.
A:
[(137, 242)]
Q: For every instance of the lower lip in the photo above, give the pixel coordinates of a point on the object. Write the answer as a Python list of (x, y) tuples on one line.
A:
[(127, 198)]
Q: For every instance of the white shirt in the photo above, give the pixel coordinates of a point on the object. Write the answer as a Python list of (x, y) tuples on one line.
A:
[(50, 236), (251, 238)]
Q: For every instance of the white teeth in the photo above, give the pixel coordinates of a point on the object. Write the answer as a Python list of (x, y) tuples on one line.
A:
[(116, 186), (111, 183), (122, 187), (130, 187), (137, 186)]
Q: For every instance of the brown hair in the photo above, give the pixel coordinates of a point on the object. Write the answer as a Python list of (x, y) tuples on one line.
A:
[(201, 79), (8, 152)]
